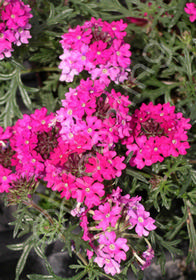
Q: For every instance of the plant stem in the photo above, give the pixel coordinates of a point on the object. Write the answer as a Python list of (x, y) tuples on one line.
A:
[(31, 203)]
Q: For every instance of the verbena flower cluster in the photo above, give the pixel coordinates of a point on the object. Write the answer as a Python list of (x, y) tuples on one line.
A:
[(157, 132), (76, 150), (14, 25), (190, 9), (114, 215), (97, 47)]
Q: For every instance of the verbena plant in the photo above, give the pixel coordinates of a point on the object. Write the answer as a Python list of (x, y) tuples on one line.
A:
[(108, 132)]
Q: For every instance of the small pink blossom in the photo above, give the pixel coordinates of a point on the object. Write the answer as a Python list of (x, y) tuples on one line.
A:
[(142, 220), (107, 215), (190, 9), (148, 255), (110, 265), (115, 247)]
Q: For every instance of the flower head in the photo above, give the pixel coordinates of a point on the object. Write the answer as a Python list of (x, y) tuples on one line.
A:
[(190, 9)]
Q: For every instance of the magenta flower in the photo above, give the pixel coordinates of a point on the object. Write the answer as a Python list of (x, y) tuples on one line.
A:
[(190, 9), (105, 167), (14, 26), (107, 215), (88, 191), (142, 220), (15, 15), (148, 255), (112, 217), (116, 248), (120, 54), (97, 47), (33, 141), (6, 178), (156, 132), (110, 265)]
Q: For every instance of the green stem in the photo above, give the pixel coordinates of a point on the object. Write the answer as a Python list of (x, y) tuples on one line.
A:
[(31, 203), (126, 235)]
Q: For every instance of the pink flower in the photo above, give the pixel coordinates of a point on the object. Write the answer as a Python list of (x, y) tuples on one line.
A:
[(107, 215), (97, 47), (156, 132), (191, 10), (137, 21), (6, 178), (105, 167), (76, 38), (88, 191), (22, 37), (142, 220), (84, 225), (121, 54), (14, 26), (116, 248), (67, 186), (6, 39), (98, 53), (148, 255), (33, 141), (110, 265)]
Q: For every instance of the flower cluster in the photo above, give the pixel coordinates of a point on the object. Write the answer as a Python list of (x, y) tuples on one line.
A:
[(157, 132), (75, 153), (24, 149), (91, 122), (115, 215), (97, 47), (14, 25), (190, 9), (91, 114)]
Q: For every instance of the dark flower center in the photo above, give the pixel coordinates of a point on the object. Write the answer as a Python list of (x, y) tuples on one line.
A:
[(47, 141), (6, 154)]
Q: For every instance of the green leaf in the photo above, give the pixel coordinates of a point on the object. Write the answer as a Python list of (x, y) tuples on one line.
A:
[(58, 15), (179, 9), (40, 253), (191, 232), (169, 245), (71, 237), (16, 247), (18, 225), (137, 175), (53, 277), (181, 222), (22, 261), (23, 92), (40, 277), (5, 77)]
